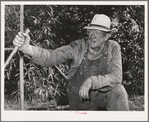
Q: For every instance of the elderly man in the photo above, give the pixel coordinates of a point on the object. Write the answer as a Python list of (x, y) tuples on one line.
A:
[(95, 75)]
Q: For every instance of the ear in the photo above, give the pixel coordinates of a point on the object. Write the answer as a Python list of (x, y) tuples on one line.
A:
[(107, 36)]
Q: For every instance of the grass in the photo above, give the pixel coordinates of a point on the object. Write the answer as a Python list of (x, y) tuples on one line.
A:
[(135, 104)]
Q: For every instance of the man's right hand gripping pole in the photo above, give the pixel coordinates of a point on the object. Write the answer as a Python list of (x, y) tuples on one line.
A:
[(21, 42)]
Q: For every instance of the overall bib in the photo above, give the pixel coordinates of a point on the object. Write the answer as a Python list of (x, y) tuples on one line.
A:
[(110, 98)]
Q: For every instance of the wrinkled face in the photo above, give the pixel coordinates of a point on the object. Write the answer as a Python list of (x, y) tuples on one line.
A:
[(96, 38)]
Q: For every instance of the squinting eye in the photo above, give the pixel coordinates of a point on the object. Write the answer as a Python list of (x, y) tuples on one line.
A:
[(88, 32)]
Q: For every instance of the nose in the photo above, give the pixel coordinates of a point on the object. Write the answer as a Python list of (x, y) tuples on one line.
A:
[(92, 35)]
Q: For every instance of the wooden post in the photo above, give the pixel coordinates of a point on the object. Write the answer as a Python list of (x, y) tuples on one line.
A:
[(21, 61)]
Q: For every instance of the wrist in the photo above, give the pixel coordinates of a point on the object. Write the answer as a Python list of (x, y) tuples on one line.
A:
[(27, 50)]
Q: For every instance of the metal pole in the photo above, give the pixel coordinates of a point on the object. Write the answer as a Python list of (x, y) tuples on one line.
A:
[(21, 61)]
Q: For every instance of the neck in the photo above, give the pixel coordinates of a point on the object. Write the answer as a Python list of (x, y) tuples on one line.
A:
[(96, 50)]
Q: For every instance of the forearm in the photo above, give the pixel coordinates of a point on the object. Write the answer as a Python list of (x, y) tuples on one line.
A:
[(108, 80), (38, 55), (45, 57), (28, 50)]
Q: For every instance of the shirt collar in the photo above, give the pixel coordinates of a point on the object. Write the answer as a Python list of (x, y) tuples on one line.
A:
[(103, 51)]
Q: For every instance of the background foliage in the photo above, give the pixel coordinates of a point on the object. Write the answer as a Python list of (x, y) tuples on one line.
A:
[(55, 25)]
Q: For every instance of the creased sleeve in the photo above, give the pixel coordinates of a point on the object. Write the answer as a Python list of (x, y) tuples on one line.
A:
[(47, 58), (114, 75)]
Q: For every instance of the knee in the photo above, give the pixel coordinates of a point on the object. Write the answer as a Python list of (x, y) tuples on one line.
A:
[(120, 90), (118, 98)]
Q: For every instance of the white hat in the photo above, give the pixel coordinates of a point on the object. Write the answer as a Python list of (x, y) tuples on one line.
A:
[(100, 22)]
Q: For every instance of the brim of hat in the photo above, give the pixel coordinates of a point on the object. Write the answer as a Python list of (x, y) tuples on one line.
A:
[(96, 28)]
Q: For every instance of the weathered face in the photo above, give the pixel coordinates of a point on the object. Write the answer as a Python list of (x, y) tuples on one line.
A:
[(96, 38)]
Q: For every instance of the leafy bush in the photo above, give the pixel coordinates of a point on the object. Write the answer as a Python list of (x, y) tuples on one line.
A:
[(129, 26), (40, 83), (55, 25), (12, 23)]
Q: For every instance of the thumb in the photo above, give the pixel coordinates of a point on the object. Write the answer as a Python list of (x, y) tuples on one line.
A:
[(26, 36), (26, 33)]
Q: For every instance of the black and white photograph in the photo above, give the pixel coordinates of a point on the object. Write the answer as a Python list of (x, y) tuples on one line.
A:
[(74, 61)]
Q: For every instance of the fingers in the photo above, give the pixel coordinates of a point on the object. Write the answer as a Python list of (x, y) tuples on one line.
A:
[(24, 35), (84, 90), (17, 43), (80, 94), (20, 34), (84, 93), (20, 39)]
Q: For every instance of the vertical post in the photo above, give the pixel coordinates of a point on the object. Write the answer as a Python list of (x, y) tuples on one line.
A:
[(21, 62)]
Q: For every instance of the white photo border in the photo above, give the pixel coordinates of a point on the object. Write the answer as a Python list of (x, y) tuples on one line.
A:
[(73, 115)]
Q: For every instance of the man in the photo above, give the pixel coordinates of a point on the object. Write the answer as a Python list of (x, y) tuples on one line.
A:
[(95, 75)]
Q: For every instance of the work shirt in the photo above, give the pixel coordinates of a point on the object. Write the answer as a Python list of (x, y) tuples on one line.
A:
[(76, 51), (86, 69)]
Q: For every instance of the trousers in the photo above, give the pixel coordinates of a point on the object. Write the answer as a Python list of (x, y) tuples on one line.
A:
[(113, 100)]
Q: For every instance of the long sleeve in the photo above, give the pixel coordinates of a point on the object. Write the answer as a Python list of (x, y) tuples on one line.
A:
[(114, 75), (47, 58)]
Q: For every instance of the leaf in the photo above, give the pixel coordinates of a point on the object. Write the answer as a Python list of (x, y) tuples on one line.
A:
[(36, 91), (46, 93), (40, 91)]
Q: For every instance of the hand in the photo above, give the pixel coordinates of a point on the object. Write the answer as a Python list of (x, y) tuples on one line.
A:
[(84, 90), (22, 41)]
